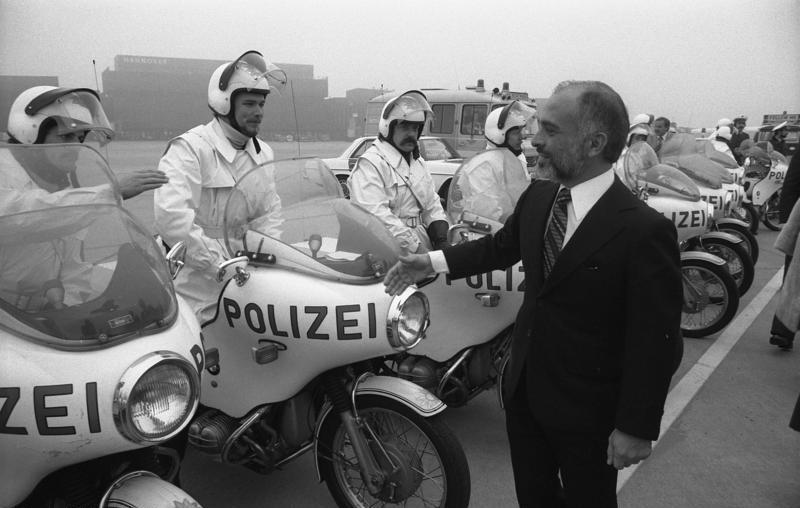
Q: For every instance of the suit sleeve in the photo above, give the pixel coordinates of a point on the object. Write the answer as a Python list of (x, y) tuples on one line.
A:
[(652, 342), (790, 190)]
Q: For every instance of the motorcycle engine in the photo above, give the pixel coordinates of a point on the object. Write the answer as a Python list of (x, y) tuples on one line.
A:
[(420, 370), (210, 431)]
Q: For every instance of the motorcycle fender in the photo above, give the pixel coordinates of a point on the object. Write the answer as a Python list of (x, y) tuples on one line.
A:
[(731, 220), (721, 235), (145, 489), (411, 395), (700, 255)]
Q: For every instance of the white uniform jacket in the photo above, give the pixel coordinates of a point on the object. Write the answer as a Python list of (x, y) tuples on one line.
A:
[(403, 196), (28, 270), (202, 167)]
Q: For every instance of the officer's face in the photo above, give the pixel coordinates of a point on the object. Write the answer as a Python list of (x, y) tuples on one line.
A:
[(405, 135), (249, 111), (514, 138)]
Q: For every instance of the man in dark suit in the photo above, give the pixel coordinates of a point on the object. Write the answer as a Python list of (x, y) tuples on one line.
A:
[(597, 338)]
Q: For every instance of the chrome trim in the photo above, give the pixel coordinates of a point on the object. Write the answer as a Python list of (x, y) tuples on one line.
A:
[(395, 314), (452, 369), (128, 381)]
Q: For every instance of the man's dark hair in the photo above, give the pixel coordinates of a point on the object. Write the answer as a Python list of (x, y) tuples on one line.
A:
[(600, 109), (664, 119)]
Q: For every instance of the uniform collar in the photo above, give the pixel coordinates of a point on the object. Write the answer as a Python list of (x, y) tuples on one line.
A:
[(225, 148), (586, 194), (390, 153)]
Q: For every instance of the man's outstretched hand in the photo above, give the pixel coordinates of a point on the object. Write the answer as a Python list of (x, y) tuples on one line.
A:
[(133, 184), (407, 271)]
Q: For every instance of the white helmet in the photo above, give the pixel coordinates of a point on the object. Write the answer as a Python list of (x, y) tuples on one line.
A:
[(68, 109), (249, 72), (724, 122), (410, 106), (724, 132), (641, 118), (501, 120)]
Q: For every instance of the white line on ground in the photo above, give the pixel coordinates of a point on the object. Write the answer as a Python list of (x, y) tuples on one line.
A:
[(685, 390)]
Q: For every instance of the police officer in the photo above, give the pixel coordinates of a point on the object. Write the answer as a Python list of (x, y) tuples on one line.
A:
[(49, 114), (203, 165), (739, 135), (47, 277), (504, 128), (721, 141), (391, 181)]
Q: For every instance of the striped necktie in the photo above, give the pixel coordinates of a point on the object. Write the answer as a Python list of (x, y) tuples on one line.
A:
[(556, 228)]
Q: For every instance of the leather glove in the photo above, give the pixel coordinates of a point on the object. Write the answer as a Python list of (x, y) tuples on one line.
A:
[(437, 232)]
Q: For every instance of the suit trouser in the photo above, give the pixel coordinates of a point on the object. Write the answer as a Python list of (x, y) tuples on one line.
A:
[(539, 453)]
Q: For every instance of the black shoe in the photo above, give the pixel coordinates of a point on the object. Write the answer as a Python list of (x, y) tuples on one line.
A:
[(784, 343)]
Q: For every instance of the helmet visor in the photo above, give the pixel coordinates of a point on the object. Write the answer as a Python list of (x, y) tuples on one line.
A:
[(252, 68), (515, 114), (410, 107), (74, 111)]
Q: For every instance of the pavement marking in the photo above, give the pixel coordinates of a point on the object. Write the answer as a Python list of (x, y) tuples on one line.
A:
[(685, 390)]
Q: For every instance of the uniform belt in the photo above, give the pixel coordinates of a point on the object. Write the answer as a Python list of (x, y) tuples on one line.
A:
[(412, 222)]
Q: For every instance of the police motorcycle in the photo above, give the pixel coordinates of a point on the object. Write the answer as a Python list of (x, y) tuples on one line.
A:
[(300, 319), (717, 187), (100, 364), (763, 180), (475, 315), (710, 294)]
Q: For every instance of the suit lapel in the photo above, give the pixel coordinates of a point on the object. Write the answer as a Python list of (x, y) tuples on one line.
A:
[(600, 225)]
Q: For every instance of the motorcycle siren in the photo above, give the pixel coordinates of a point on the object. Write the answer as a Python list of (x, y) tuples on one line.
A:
[(70, 110), (411, 106), (501, 120), (724, 132), (250, 72)]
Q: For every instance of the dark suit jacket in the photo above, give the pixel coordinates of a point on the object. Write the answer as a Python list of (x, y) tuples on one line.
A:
[(600, 338)]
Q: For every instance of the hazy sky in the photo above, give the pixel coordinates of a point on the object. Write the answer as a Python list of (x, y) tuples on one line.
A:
[(694, 61)]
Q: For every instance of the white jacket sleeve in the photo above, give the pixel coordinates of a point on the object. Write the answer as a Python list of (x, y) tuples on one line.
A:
[(175, 204), (15, 200)]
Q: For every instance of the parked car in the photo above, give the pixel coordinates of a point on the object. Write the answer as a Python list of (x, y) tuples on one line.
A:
[(441, 159)]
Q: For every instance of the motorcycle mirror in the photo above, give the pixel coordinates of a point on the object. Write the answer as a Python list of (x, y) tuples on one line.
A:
[(314, 244), (176, 258)]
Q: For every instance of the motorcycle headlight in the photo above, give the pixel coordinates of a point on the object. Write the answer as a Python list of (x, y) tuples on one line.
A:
[(156, 397), (408, 319)]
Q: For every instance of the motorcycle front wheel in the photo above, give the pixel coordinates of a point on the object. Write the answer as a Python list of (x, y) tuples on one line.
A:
[(423, 460), (745, 234), (710, 298), (747, 213), (740, 264), (771, 213)]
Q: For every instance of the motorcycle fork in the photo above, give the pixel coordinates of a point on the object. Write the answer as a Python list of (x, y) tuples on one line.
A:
[(371, 472)]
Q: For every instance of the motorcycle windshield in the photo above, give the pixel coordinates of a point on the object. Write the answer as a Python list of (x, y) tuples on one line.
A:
[(639, 157), (485, 189), (76, 270), (664, 180), (292, 214)]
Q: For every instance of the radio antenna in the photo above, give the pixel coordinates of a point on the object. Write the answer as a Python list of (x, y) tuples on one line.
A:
[(96, 83), (296, 125)]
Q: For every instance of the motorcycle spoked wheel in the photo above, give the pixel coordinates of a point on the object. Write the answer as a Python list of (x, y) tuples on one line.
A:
[(432, 468), (710, 298), (747, 213), (745, 234), (771, 213), (740, 264)]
